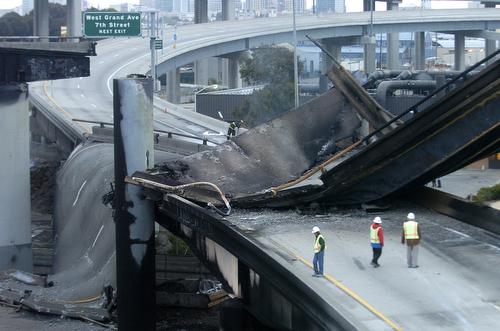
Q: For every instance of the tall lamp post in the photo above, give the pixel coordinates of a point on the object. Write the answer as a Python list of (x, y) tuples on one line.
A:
[(295, 64)]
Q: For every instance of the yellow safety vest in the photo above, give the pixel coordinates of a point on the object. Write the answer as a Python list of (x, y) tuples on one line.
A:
[(374, 239), (411, 230), (317, 246)]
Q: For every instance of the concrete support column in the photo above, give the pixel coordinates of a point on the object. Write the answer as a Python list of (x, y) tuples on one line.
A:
[(228, 10), (393, 42), (420, 50), (74, 18), (200, 11), (369, 53), (173, 86), (326, 62), (41, 18), (15, 218), (234, 77), (459, 51), (369, 57), (134, 215), (490, 45), (201, 72)]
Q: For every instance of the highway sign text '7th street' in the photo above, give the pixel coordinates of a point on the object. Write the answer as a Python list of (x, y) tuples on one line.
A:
[(112, 24)]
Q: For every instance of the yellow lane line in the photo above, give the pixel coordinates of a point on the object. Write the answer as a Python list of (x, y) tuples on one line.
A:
[(343, 288), (45, 87)]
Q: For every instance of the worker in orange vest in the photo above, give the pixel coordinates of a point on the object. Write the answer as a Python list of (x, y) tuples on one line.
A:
[(411, 234), (376, 240)]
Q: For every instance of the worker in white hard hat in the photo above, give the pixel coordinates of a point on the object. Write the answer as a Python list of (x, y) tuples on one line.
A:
[(319, 252), (411, 234), (376, 240)]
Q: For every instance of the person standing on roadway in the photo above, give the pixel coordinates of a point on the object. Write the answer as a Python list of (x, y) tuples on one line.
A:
[(319, 252), (411, 234), (376, 240), (231, 130)]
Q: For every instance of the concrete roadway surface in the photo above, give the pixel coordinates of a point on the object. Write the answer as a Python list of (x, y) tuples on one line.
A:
[(91, 98), (456, 287)]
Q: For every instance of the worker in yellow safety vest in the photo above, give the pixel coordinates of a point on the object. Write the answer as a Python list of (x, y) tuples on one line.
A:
[(376, 240), (411, 234), (319, 252)]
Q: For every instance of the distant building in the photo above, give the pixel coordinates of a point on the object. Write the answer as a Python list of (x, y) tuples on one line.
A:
[(26, 7), (330, 6), (166, 6)]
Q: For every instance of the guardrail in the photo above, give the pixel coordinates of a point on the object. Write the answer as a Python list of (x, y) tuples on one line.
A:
[(65, 127), (208, 122), (169, 134)]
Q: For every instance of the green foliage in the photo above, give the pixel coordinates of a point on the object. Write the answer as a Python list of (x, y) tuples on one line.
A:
[(179, 247), (272, 66), (12, 24), (491, 193)]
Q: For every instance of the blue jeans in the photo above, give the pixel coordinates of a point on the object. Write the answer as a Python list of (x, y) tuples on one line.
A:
[(318, 262)]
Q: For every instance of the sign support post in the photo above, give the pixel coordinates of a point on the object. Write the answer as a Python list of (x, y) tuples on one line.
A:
[(152, 26)]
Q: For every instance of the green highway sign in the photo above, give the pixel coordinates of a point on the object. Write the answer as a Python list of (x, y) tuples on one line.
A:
[(111, 24), (158, 44)]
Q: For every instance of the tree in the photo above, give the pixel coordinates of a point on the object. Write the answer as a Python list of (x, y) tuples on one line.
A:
[(273, 67)]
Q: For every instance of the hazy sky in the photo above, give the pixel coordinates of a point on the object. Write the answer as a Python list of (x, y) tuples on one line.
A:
[(352, 5)]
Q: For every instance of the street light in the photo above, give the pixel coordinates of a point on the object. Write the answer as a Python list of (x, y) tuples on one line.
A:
[(295, 64)]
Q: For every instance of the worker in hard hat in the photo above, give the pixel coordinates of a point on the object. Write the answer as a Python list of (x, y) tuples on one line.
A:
[(231, 130), (319, 252), (376, 240), (411, 234)]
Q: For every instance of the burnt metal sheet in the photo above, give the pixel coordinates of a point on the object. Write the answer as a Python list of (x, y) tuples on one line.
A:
[(274, 152), (476, 214), (28, 65)]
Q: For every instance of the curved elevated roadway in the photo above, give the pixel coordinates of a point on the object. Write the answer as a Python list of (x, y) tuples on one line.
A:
[(91, 98)]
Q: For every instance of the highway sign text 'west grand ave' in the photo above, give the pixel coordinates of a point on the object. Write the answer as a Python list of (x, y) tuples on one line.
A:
[(112, 24)]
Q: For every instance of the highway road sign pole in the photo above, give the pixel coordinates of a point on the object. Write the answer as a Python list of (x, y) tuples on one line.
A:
[(152, 26)]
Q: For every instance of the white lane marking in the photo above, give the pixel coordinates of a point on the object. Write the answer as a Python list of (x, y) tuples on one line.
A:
[(77, 85), (120, 68), (94, 105), (458, 232), (82, 95), (101, 62), (496, 307), (98, 234), (81, 77), (78, 194), (116, 55)]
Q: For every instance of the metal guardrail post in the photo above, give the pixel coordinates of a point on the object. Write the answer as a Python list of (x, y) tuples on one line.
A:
[(134, 215)]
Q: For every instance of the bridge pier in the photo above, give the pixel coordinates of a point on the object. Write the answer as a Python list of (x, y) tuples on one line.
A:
[(420, 50), (41, 18), (173, 86), (233, 75), (134, 215), (15, 218), (459, 51), (228, 10), (334, 48), (200, 11), (393, 41), (369, 47), (74, 18)]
